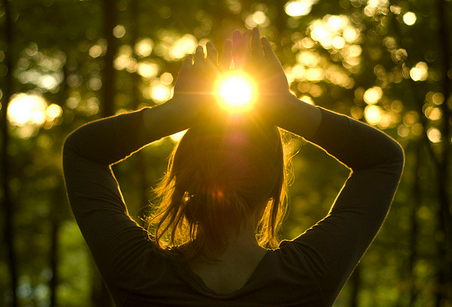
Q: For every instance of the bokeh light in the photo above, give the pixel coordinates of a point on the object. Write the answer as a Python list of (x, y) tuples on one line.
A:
[(99, 49), (41, 69), (166, 78), (258, 18), (183, 46), (334, 31), (53, 111), (172, 46), (147, 69), (409, 18), (373, 95), (375, 7), (373, 114), (160, 92), (124, 58), (419, 72), (297, 8), (143, 47), (29, 112), (119, 31), (27, 109), (433, 113), (434, 135)]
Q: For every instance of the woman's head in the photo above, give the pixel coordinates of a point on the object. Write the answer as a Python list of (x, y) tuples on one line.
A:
[(221, 175)]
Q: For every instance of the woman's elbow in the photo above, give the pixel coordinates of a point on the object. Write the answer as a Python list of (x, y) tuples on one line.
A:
[(398, 157), (69, 145)]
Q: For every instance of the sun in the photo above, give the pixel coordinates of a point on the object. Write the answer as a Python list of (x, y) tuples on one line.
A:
[(236, 91)]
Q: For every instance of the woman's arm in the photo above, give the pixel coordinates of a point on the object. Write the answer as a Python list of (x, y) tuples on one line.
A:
[(110, 140), (335, 244), (115, 240)]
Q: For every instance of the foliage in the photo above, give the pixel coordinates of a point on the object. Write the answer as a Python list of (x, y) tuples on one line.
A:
[(384, 63)]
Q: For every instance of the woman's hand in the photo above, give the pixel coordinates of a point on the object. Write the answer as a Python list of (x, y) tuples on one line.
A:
[(276, 103), (256, 57), (194, 87), (196, 78)]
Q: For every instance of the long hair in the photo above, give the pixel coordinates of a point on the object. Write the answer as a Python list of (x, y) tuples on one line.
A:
[(218, 175)]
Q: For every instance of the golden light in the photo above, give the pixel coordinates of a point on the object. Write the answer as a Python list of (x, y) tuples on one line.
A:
[(185, 45), (29, 112), (237, 92), (147, 70), (160, 92), (373, 114), (119, 31), (419, 72), (144, 47), (434, 135), (433, 113), (27, 109), (177, 136), (258, 18), (373, 95), (409, 18), (297, 8), (437, 98)]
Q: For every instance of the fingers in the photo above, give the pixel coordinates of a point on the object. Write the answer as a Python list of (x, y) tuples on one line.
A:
[(226, 55), (246, 48), (268, 50), (237, 51), (240, 47), (246, 38), (187, 62), (212, 54), (199, 55), (256, 44), (236, 48), (236, 37)]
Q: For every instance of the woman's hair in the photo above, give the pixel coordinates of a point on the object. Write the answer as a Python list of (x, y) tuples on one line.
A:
[(218, 175)]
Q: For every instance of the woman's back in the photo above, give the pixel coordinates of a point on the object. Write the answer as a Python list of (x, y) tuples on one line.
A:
[(231, 272), (314, 265)]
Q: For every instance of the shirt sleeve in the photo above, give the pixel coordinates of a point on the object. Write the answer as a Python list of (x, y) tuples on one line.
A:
[(334, 246), (115, 240)]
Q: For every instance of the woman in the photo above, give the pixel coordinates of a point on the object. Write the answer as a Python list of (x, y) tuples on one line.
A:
[(222, 198)]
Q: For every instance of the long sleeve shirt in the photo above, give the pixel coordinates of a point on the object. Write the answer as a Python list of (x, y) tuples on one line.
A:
[(309, 270)]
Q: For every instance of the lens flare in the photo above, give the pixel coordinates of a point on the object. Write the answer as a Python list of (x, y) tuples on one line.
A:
[(237, 92)]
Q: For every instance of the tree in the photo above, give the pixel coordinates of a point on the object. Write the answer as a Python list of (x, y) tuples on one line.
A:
[(7, 199)]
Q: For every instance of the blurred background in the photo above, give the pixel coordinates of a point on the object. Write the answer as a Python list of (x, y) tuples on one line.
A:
[(66, 62)]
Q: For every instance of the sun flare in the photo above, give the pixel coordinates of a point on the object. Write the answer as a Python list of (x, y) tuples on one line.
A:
[(237, 92)]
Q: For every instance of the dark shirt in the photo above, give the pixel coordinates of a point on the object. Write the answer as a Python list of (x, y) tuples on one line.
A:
[(307, 271)]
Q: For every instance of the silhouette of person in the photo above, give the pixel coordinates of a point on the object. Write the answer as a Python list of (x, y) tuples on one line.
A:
[(213, 238)]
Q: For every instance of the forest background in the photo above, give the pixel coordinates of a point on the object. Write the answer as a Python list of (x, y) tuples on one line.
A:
[(66, 62)]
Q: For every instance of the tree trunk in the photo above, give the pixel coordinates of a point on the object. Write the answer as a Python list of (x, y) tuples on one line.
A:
[(7, 202), (440, 155), (444, 215), (140, 167), (108, 82), (414, 231), (54, 260), (101, 296)]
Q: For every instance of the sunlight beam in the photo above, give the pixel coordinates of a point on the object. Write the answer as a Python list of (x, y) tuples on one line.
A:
[(236, 91)]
